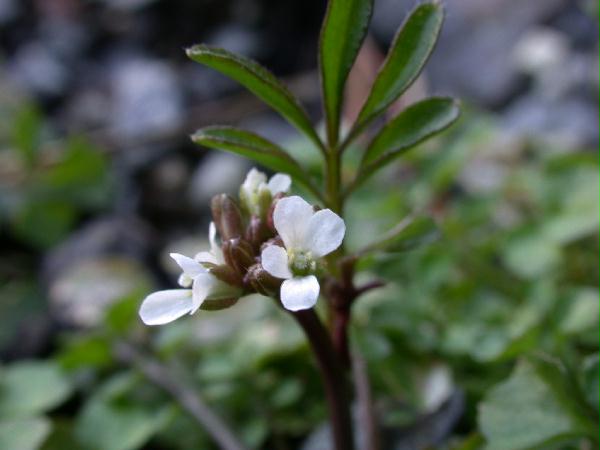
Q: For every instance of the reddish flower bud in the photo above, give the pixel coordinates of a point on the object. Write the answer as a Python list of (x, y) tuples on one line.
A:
[(238, 254), (257, 232), (227, 216), (227, 275), (262, 281)]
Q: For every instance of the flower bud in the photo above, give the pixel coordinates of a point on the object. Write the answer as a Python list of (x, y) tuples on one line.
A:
[(227, 275), (257, 232), (218, 304), (227, 216), (262, 281), (238, 254)]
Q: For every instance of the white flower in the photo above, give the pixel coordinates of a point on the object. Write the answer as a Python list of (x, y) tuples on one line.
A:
[(215, 255), (163, 307), (256, 192), (307, 236)]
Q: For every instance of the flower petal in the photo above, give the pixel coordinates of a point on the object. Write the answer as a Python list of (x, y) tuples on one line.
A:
[(280, 182), (274, 260), (189, 266), (325, 233), (253, 180), (299, 293), (291, 217), (206, 257), (204, 284), (165, 306), (185, 280), (215, 249)]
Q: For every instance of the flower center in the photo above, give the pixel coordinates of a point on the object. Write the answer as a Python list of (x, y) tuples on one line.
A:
[(301, 262)]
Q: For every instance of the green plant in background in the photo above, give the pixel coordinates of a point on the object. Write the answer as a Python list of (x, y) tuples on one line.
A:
[(46, 185)]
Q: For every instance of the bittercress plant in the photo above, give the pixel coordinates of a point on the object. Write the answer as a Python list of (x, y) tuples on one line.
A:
[(286, 247)]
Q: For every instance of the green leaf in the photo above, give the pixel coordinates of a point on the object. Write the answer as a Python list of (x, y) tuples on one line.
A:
[(528, 410), (104, 426), (591, 379), (259, 81), (412, 126), (344, 29), (44, 223), (32, 387), (409, 52), (26, 132), (252, 146), (24, 434)]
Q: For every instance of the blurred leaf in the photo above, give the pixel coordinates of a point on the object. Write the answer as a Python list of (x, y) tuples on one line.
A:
[(531, 255), (252, 146), (344, 29), (104, 426), (32, 387), (416, 123), (409, 52), (81, 175), (86, 352), (259, 81), (530, 409), (44, 223), (591, 380), (26, 132), (582, 313), (24, 434)]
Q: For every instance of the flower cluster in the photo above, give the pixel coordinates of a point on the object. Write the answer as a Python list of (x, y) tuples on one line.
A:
[(269, 243)]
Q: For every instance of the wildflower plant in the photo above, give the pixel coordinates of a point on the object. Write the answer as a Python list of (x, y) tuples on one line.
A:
[(282, 246)]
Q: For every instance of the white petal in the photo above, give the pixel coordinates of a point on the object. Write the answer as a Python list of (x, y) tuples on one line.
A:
[(279, 182), (185, 280), (165, 306), (299, 293), (291, 218), (274, 260), (325, 233), (206, 257), (253, 180), (189, 266), (204, 284), (215, 249)]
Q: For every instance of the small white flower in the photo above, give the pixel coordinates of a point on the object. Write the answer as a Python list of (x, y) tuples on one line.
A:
[(215, 255), (163, 307), (307, 236), (256, 189)]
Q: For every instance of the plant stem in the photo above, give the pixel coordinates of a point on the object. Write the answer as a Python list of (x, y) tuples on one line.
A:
[(333, 376), (185, 395), (334, 180)]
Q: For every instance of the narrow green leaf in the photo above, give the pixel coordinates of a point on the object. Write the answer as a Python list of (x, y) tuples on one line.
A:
[(410, 50), (413, 125), (344, 29), (259, 81), (252, 146)]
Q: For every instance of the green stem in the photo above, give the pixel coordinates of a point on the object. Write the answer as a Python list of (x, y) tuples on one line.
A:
[(334, 180)]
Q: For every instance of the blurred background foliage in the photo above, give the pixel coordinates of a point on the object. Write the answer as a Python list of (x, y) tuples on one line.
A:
[(485, 334)]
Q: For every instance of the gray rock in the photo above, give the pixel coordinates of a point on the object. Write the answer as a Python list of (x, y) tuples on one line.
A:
[(36, 68), (219, 172), (146, 97)]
